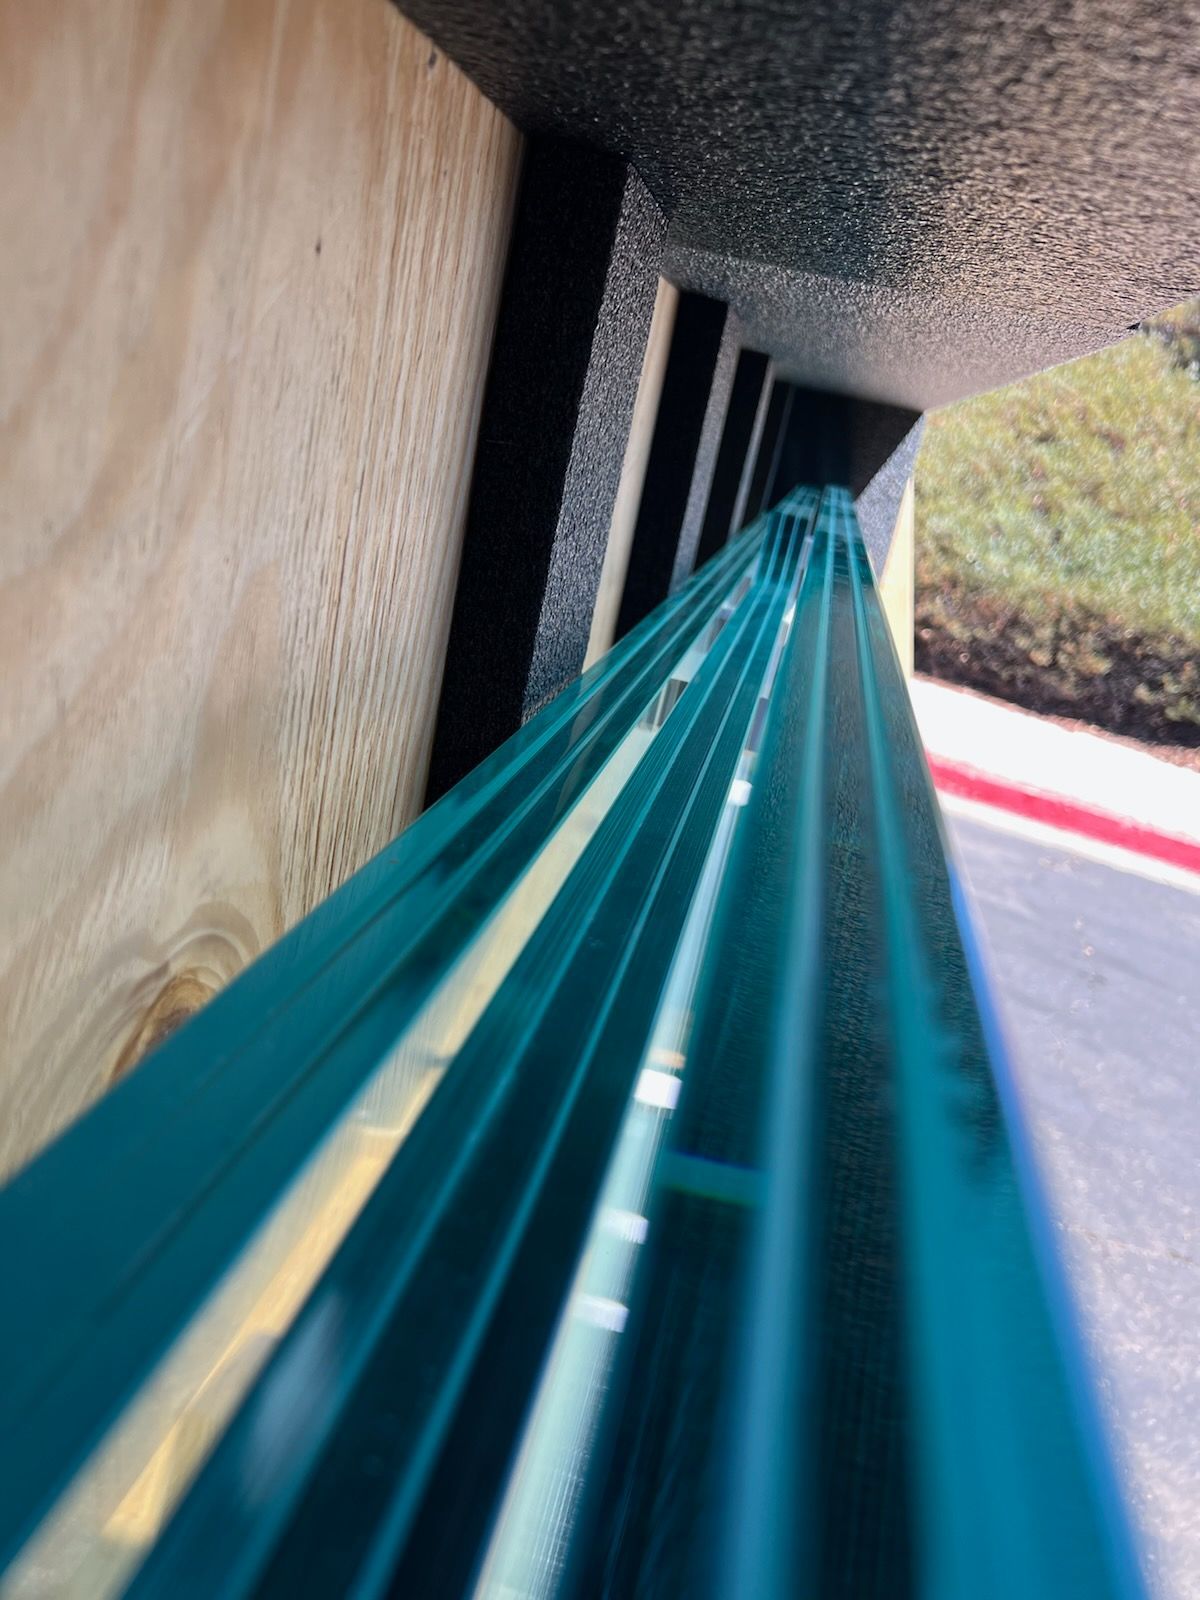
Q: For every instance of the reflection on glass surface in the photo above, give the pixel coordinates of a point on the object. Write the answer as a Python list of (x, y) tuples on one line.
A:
[(527, 1553), (112, 1513), (616, 1186)]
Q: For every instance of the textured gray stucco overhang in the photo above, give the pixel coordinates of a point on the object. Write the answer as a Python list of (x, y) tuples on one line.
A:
[(906, 201)]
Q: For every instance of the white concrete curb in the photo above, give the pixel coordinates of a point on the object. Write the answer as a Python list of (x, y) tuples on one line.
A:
[(1028, 752)]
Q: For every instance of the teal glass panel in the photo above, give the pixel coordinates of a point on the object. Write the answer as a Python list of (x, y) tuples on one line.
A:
[(858, 1335), (616, 1188)]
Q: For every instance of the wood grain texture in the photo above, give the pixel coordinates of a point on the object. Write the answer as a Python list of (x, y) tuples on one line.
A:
[(250, 258)]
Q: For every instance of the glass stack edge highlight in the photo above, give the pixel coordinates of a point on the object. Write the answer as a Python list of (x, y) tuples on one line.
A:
[(616, 1187)]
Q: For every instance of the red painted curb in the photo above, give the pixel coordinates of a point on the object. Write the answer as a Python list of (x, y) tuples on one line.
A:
[(1069, 815)]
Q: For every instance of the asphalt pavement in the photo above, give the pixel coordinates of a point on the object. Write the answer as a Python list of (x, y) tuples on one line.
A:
[(1098, 976)]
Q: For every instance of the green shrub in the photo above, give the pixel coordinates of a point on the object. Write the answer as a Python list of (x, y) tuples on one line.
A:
[(1058, 536)]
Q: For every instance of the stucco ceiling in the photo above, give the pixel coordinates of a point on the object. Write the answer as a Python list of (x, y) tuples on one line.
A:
[(909, 201)]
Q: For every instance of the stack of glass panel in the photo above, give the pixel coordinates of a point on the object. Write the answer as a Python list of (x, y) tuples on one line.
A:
[(616, 1188)]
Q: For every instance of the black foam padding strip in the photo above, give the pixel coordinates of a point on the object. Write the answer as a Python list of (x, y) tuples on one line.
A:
[(740, 417), (869, 447), (683, 455), (570, 340), (816, 443)]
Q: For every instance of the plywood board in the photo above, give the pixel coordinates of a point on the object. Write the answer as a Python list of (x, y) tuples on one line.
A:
[(250, 258)]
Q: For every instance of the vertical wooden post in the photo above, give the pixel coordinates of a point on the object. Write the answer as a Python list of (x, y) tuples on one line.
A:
[(897, 583), (633, 473)]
